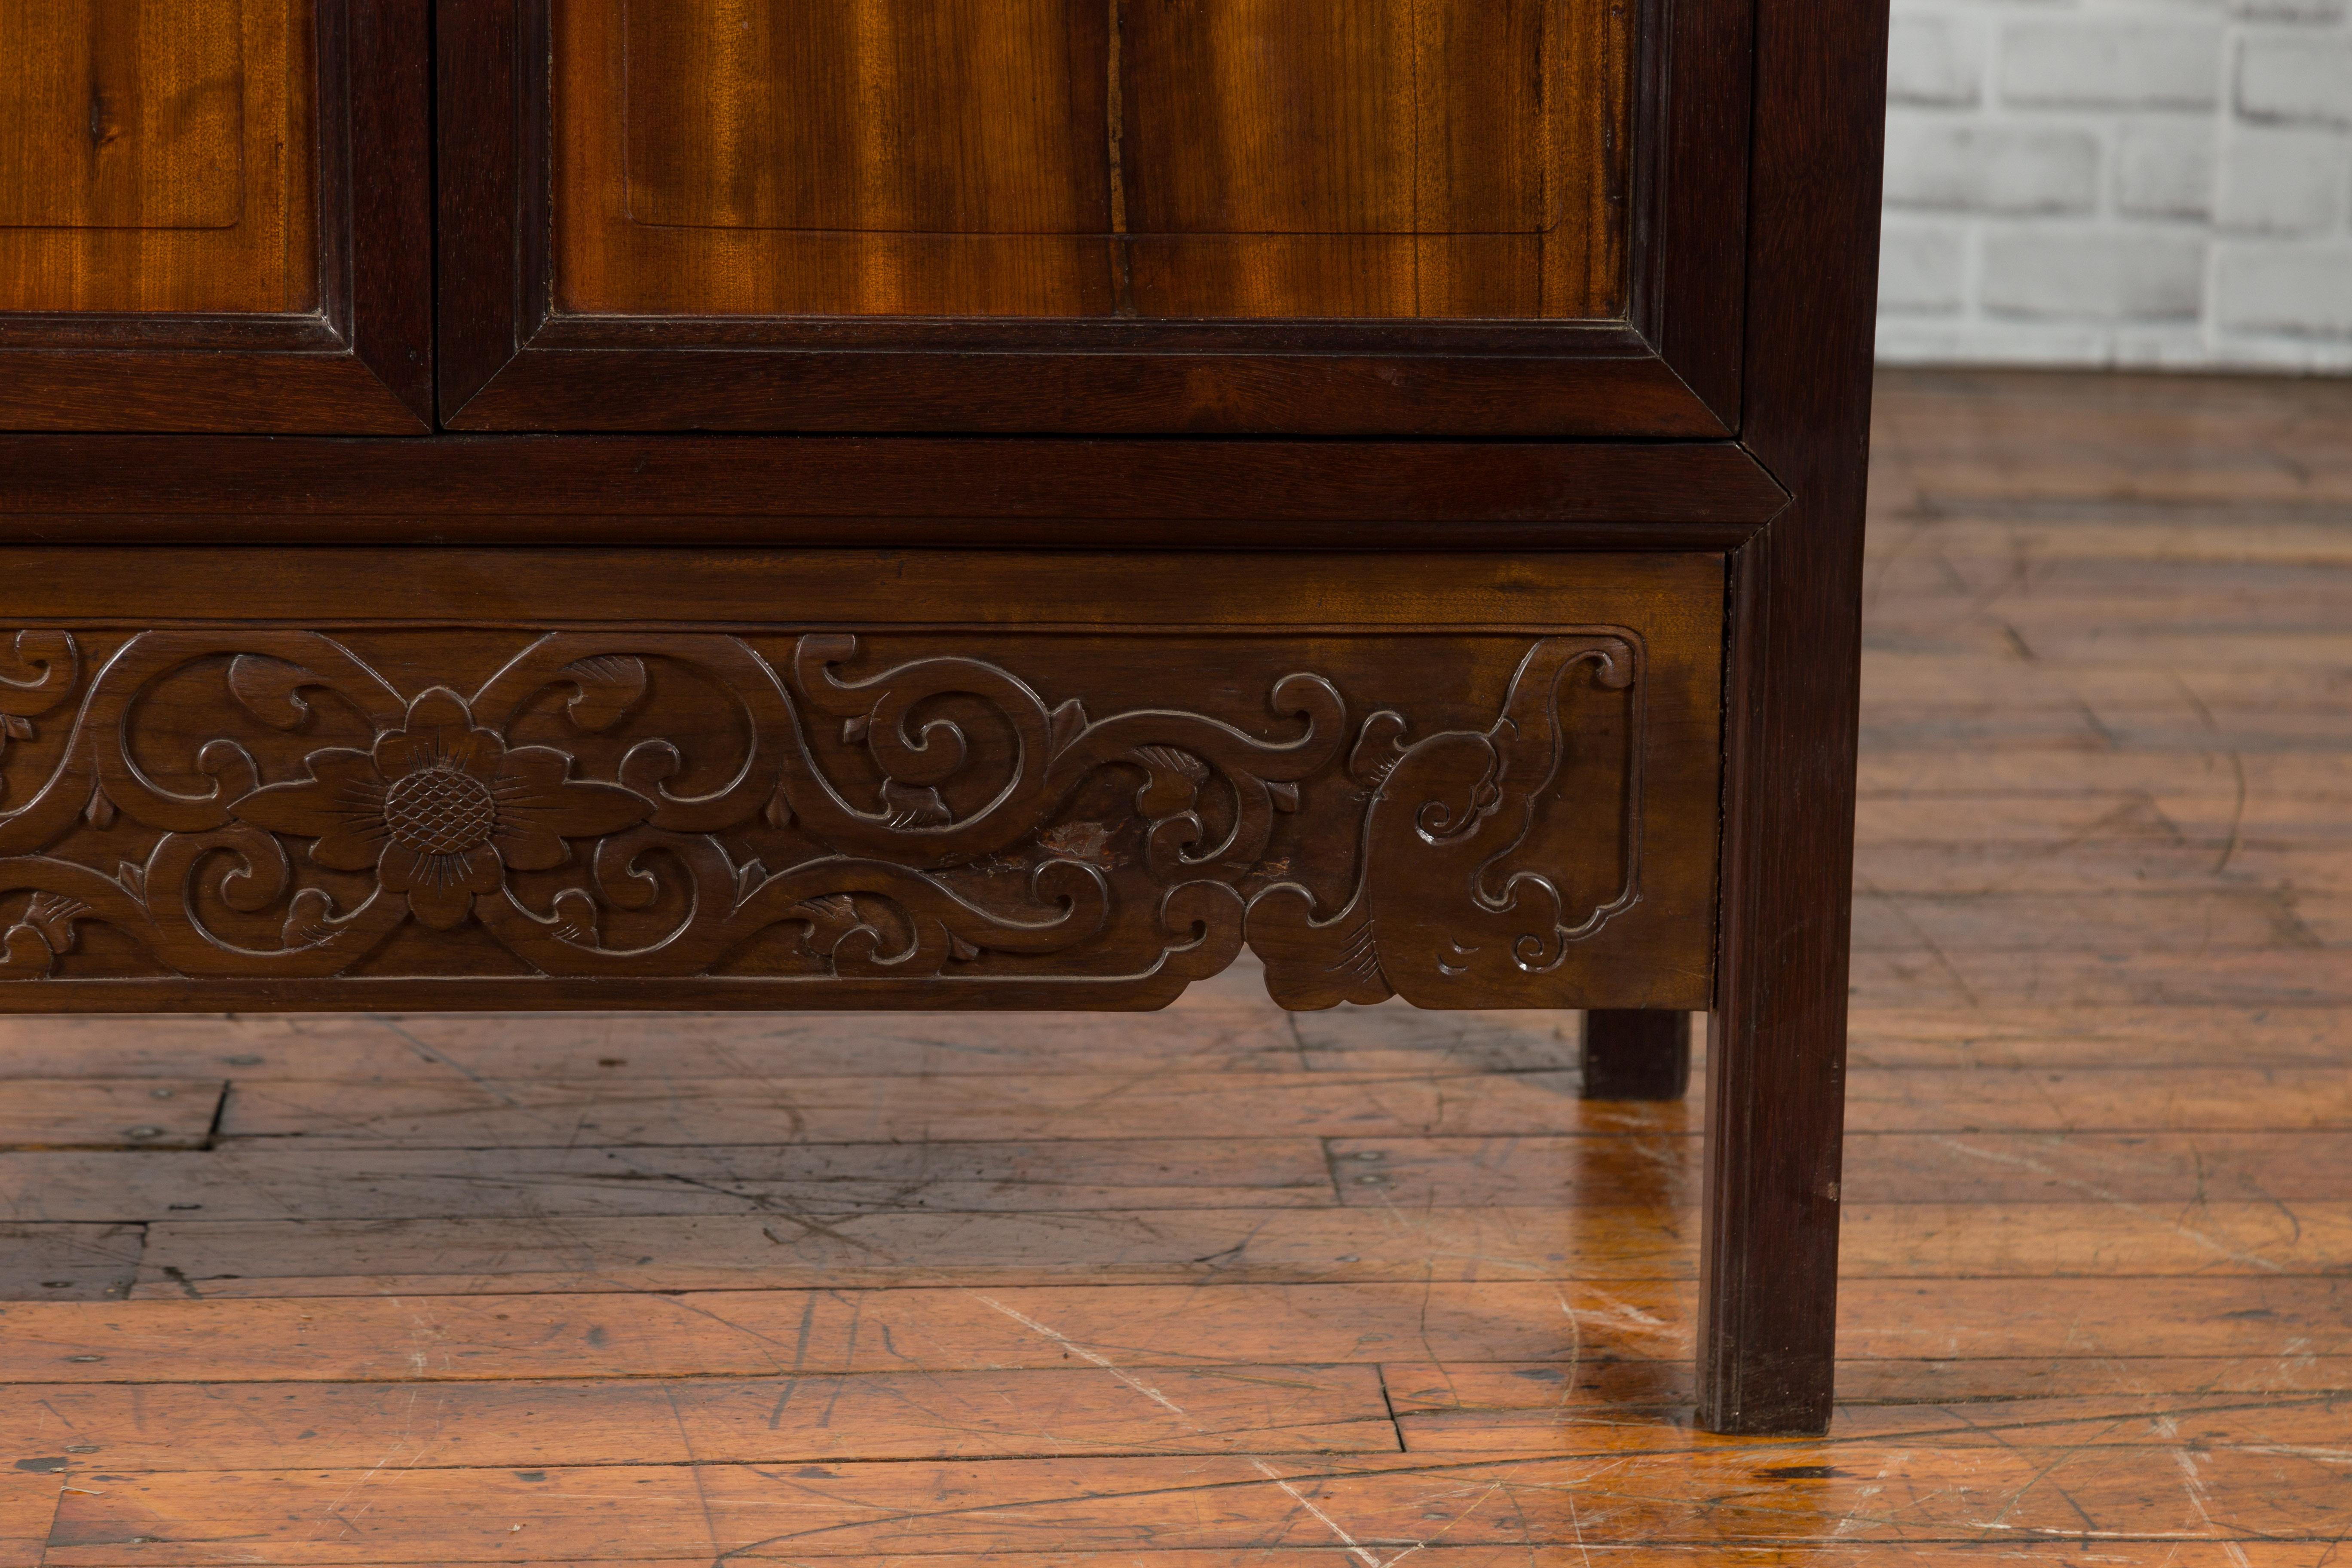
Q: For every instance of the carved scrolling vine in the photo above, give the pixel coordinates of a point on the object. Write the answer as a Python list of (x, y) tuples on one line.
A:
[(445, 821)]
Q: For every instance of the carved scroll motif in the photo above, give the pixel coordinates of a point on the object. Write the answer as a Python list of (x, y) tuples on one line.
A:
[(1447, 813), (633, 851)]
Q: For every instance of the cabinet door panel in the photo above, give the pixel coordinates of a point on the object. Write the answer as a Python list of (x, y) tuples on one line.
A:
[(1328, 216), (1391, 117), (880, 116), (157, 155), (1430, 158), (129, 113), (1090, 158), (163, 166), (765, 158)]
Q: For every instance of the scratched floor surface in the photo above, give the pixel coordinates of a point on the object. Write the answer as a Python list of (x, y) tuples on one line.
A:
[(1222, 1287)]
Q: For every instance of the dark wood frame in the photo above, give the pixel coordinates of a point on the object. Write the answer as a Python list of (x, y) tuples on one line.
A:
[(881, 490), (1762, 328), (360, 364), (1672, 370), (1776, 1042)]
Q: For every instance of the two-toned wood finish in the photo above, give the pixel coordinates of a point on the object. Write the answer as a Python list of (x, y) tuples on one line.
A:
[(895, 445), (1399, 219)]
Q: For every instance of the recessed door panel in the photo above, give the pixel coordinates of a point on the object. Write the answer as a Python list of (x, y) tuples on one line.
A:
[(157, 155), (1091, 158)]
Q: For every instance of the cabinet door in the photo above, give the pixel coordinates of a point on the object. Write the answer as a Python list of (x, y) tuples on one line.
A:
[(214, 215), (1339, 217)]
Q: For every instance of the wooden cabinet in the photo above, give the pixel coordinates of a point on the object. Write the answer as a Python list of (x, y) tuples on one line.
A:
[(935, 503)]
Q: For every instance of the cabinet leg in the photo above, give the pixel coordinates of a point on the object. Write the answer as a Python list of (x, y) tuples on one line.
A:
[(1636, 1055), (1776, 1041), (1767, 1270)]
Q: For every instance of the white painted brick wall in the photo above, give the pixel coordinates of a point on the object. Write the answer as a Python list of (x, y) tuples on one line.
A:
[(2119, 182)]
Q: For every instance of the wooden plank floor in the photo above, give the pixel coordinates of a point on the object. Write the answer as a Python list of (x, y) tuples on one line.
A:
[(1223, 1287)]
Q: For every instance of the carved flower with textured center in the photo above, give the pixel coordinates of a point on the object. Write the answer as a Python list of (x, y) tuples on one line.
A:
[(441, 809)]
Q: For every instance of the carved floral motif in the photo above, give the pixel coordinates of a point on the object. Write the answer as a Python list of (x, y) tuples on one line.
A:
[(951, 862), (440, 808)]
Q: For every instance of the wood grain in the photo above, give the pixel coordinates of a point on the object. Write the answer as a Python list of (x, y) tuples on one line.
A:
[(1100, 589), (1206, 1246), (2086, 1036), (99, 1114), (312, 310), (2288, 1320), (1075, 1411), (1077, 158), (523, 1114), (1651, 160), (759, 1333), (1922, 1391), (159, 156), (277, 1180), (123, 116), (1405, 158), (2264, 1166), (1206, 1030), (1416, 1100), (876, 118), (1230, 1504), (68, 1262), (2310, 1422), (1209, 1247), (29, 1505)]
